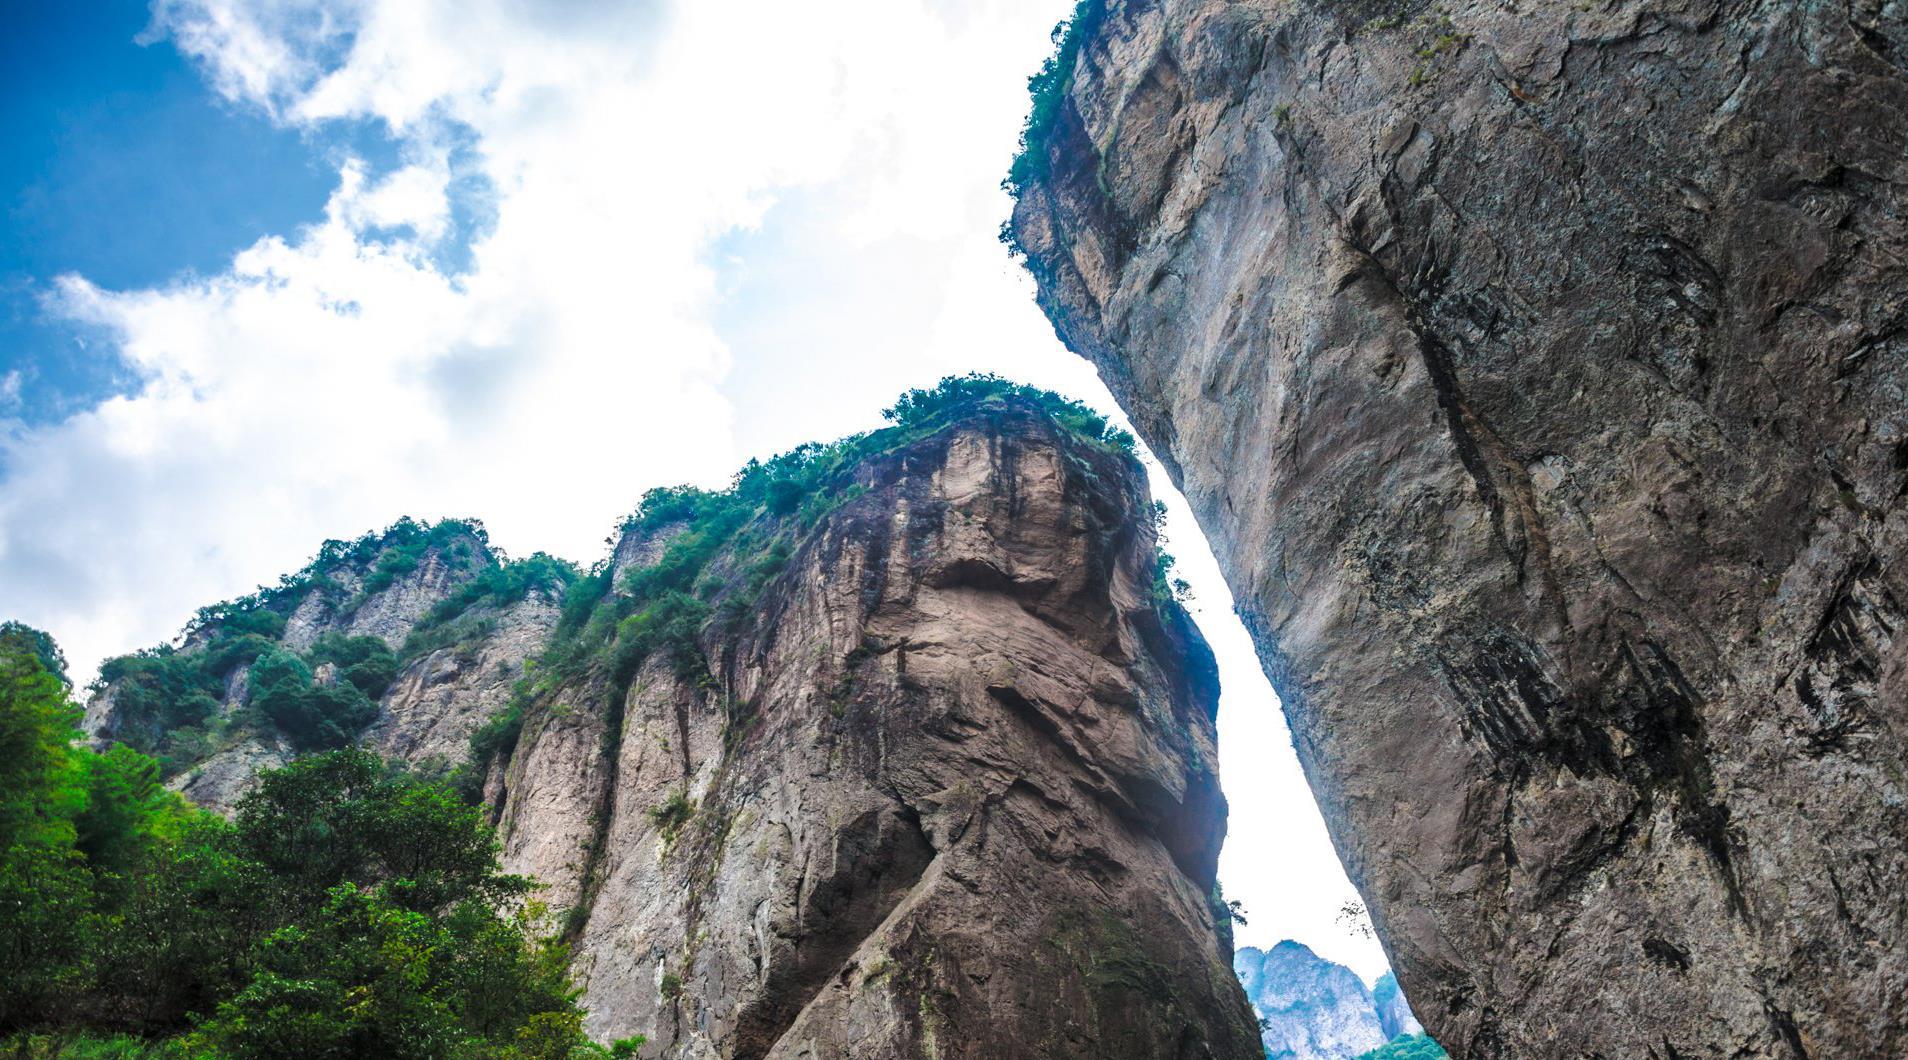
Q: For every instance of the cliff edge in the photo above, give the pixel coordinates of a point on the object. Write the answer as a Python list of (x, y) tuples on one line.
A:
[(1537, 372), (898, 747)]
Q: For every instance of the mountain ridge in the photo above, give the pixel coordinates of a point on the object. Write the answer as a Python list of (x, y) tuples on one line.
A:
[(1311, 1008), (763, 754)]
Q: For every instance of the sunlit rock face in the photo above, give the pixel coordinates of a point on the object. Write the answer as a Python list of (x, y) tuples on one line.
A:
[(1309, 1008), (943, 788), (1538, 373), (931, 771)]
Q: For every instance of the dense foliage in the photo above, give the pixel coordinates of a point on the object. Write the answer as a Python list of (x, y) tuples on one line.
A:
[(383, 555), (458, 621), (1409, 1047), (23, 637), (345, 912), (319, 715), (957, 395), (166, 700), (1047, 90)]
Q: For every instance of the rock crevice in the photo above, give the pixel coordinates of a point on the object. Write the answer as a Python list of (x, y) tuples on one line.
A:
[(1537, 374)]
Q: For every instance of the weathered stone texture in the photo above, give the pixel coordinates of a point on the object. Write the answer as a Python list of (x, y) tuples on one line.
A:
[(440, 698), (1537, 371), (947, 792), (426, 716)]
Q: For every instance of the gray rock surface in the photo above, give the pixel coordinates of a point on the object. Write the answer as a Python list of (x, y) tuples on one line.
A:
[(1309, 1008), (440, 698), (946, 790), (425, 717), (942, 787), (1537, 372)]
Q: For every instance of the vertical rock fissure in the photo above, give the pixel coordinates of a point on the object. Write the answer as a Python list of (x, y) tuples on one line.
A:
[(1537, 376)]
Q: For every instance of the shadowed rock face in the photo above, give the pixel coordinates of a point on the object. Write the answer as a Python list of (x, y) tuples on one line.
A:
[(1537, 372), (945, 789)]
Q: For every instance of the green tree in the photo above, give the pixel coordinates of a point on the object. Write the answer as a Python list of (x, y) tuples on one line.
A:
[(22, 637), (39, 795), (312, 716), (347, 911), (1409, 1047), (366, 663), (339, 817), (44, 887), (127, 810)]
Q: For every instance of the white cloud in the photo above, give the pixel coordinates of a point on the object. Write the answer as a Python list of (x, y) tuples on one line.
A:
[(714, 228)]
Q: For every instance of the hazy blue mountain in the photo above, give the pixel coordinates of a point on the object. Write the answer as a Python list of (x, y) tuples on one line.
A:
[(1394, 1015), (1309, 1007)]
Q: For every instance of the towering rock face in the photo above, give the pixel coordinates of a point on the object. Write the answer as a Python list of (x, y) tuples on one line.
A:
[(1309, 1008), (937, 780), (903, 751), (1537, 371)]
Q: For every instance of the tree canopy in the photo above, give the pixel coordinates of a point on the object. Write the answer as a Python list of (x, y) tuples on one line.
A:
[(346, 911)]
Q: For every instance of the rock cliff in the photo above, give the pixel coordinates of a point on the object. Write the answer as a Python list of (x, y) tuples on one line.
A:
[(937, 780), (1537, 372), (899, 747), (436, 597), (1309, 1008)]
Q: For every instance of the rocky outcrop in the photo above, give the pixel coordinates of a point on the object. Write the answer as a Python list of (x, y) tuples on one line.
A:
[(444, 695), (899, 748), (387, 586), (1537, 372), (936, 782), (1309, 1008), (1394, 1013)]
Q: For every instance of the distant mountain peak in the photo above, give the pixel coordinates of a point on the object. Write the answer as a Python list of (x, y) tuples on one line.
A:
[(1310, 1008)]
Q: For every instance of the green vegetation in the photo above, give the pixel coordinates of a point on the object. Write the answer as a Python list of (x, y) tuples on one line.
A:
[(387, 553), (957, 395), (401, 548), (22, 637), (450, 623), (1048, 91), (164, 701), (726, 547), (1443, 38), (346, 910), (1167, 586), (365, 663), (167, 699), (314, 715), (672, 814), (1410, 1047)]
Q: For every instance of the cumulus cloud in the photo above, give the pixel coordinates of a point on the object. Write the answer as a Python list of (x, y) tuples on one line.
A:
[(581, 348), (623, 243)]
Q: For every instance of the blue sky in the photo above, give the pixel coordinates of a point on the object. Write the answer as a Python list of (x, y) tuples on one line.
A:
[(122, 167), (290, 269)]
